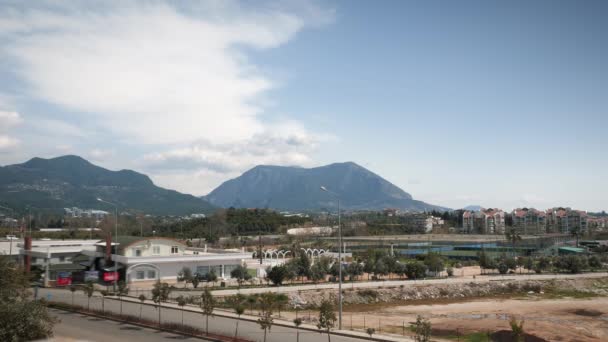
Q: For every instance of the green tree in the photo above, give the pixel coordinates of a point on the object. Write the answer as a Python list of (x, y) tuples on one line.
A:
[(160, 293), (185, 275), (542, 264), (517, 329), (327, 317), (88, 290), (241, 274), (594, 262), (239, 309), (422, 329), (370, 331), (142, 299), (72, 290), (103, 293), (415, 270), (354, 270), (122, 290), (266, 302), (571, 263), (251, 300), (195, 280), (211, 277), (297, 322), (281, 300), (181, 302), (502, 267), (434, 263), (276, 274), (207, 305), (21, 318)]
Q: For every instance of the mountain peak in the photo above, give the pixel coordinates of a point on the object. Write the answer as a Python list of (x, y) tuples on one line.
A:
[(297, 188), (71, 180)]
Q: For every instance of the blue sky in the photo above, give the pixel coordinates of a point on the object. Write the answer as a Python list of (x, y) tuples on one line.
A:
[(502, 104)]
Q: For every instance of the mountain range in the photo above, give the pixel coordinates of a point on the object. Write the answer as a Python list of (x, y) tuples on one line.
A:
[(71, 181), (296, 188)]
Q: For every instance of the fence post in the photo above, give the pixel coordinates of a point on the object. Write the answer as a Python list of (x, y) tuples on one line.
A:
[(403, 328), (379, 330), (364, 326)]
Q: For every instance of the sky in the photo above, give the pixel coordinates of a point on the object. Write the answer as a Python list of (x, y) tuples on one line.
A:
[(493, 103)]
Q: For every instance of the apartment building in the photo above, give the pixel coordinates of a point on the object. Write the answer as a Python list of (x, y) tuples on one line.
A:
[(485, 221), (566, 220), (529, 221)]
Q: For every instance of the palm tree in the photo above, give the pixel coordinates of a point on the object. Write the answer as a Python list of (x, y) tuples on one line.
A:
[(512, 236), (142, 299), (239, 309), (181, 301), (575, 232)]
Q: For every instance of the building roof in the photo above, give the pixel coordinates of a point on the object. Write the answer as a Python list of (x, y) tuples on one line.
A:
[(572, 249)]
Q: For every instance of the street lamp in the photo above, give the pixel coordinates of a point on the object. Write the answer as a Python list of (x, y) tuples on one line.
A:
[(116, 232), (339, 257)]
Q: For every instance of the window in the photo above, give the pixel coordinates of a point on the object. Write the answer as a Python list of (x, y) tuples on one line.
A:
[(61, 259), (174, 249), (202, 270), (140, 275), (136, 252), (156, 250), (34, 259), (151, 274)]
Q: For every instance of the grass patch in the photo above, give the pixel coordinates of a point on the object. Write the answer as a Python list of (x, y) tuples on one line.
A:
[(553, 293)]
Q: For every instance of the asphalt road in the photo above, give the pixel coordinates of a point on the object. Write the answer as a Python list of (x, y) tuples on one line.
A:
[(248, 329), (77, 327)]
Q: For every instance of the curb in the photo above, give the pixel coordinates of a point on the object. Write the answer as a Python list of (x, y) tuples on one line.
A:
[(286, 325), (154, 327)]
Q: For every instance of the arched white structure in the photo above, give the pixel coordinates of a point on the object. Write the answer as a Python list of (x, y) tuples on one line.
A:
[(148, 265)]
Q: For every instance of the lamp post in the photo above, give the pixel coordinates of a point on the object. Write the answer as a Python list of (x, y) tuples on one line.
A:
[(115, 231), (339, 257), (10, 253)]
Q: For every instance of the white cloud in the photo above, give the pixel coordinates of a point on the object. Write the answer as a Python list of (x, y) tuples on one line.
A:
[(99, 154), (178, 77), (9, 119), (163, 76), (7, 142), (282, 144)]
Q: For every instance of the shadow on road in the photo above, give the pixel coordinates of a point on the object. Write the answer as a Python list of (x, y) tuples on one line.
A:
[(130, 328)]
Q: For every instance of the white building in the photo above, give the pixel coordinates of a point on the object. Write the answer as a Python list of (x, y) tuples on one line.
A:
[(147, 260)]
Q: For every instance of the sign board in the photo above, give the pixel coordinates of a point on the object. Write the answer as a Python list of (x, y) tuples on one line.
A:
[(110, 276), (64, 279), (91, 275)]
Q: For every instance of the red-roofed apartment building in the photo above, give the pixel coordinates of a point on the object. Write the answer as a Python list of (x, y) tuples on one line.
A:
[(566, 220), (485, 221), (529, 221)]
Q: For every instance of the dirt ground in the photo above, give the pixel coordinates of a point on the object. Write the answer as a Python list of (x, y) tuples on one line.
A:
[(551, 319)]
